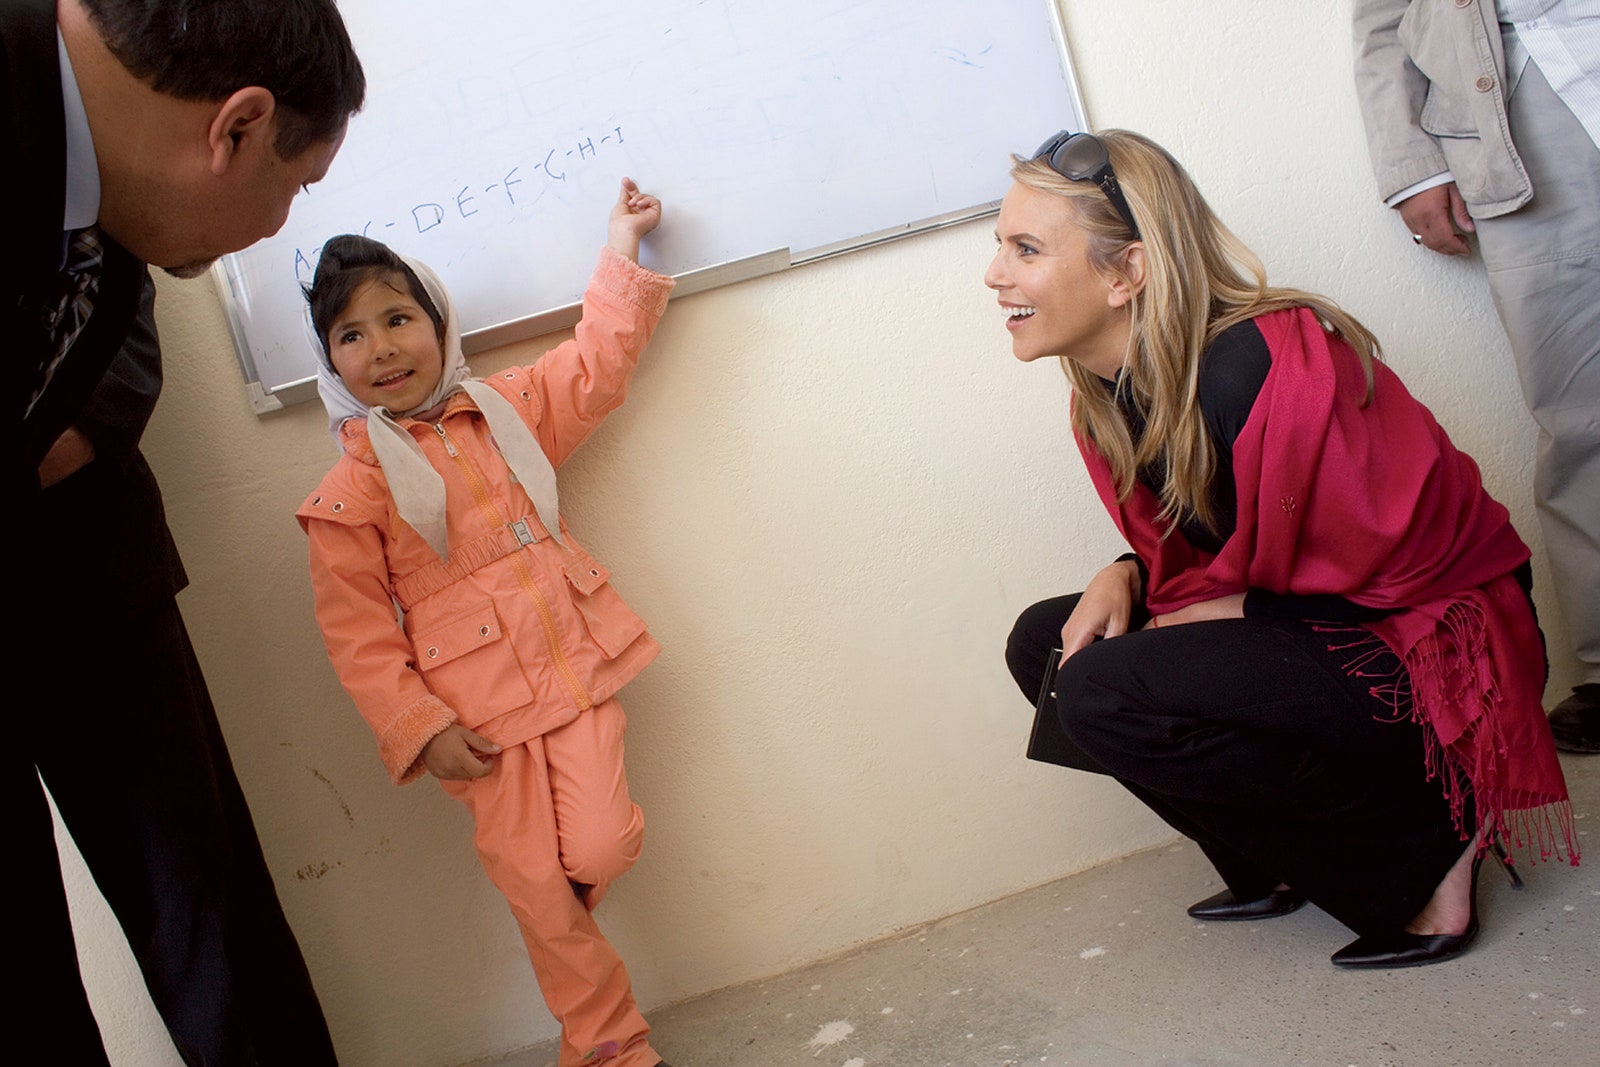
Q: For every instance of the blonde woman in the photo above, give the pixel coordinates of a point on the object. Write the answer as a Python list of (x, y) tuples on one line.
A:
[(1319, 661)]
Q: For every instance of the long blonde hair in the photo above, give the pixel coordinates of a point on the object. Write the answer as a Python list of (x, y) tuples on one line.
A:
[(1199, 279)]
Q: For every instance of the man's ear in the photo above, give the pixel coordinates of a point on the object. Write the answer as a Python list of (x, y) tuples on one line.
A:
[(241, 123), (1129, 282)]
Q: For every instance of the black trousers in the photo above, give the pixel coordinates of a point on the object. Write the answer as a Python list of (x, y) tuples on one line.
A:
[(1259, 739), (115, 717)]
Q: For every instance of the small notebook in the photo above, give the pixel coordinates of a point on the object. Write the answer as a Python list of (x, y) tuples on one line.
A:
[(1048, 743)]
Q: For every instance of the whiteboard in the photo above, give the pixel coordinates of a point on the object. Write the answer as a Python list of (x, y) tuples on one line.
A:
[(496, 132)]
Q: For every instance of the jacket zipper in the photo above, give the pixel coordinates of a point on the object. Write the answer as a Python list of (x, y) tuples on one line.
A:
[(525, 579)]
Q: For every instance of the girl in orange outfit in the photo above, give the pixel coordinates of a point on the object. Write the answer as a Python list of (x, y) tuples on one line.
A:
[(500, 680)]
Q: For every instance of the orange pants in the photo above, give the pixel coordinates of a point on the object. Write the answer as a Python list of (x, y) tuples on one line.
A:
[(554, 826)]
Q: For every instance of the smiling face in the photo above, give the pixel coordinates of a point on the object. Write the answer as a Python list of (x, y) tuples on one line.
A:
[(384, 347), (1055, 302)]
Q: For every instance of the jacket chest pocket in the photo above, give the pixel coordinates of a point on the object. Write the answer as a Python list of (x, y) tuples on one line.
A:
[(610, 622), (468, 662)]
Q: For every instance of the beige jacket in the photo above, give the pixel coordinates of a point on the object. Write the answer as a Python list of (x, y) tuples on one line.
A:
[(1430, 75)]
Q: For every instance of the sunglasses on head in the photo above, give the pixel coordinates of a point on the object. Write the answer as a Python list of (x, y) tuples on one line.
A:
[(1082, 157)]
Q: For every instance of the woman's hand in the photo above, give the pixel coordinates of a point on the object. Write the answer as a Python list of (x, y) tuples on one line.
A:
[(632, 216), (1224, 607), (1104, 608), (457, 753)]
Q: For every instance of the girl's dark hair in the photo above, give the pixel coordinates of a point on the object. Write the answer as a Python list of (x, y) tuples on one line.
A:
[(348, 262)]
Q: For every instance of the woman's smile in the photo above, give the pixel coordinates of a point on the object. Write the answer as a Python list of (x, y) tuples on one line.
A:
[(1016, 315)]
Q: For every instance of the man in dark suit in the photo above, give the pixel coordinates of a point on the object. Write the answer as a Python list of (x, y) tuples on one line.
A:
[(137, 132), (176, 133)]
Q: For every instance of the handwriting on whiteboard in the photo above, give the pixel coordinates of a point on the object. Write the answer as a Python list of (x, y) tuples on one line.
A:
[(493, 201)]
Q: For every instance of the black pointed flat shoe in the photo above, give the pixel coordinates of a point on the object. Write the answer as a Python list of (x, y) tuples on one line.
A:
[(1225, 907)]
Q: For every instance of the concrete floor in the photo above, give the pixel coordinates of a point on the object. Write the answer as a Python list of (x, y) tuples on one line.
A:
[(1105, 969)]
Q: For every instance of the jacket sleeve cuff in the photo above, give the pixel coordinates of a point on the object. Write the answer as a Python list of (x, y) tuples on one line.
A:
[(1442, 178), (401, 744), (1423, 163), (627, 280)]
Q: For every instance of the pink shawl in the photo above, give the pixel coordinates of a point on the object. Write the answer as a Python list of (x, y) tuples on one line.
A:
[(1376, 505)]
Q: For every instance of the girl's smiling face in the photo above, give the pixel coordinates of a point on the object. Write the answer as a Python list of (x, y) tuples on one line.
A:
[(1055, 302), (384, 348)]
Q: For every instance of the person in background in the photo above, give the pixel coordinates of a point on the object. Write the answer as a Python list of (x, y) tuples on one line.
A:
[(1484, 119)]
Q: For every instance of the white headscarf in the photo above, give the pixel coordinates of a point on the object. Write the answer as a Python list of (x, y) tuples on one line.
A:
[(417, 488)]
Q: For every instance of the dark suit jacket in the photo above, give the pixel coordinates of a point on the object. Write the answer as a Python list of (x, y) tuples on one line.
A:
[(32, 188), (100, 542), (99, 539)]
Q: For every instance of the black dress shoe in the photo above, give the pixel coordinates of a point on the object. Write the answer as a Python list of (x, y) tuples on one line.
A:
[(1575, 722), (1225, 907)]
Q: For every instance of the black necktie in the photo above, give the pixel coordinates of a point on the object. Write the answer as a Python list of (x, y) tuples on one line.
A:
[(66, 320)]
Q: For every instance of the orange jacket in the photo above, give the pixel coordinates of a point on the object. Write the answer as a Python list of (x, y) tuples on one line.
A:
[(513, 635)]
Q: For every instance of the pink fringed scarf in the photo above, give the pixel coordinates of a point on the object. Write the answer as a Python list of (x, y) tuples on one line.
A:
[(1376, 505)]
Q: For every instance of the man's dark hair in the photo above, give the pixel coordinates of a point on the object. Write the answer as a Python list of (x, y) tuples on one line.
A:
[(297, 50), (348, 262)]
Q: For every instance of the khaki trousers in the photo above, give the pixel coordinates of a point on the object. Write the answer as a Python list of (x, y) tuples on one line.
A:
[(1544, 272)]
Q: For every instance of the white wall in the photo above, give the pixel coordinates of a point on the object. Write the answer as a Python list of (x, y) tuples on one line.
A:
[(830, 492)]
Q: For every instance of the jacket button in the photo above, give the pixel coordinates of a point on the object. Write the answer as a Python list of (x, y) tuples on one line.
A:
[(338, 506), (433, 653), (315, 501), (483, 631), (1484, 83), (510, 375)]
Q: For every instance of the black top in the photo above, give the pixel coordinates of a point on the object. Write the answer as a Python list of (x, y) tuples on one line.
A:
[(1232, 371)]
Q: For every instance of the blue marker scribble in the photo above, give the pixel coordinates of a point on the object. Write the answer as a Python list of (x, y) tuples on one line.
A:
[(463, 202), (957, 55)]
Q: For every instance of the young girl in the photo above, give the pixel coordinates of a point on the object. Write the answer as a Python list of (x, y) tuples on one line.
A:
[(1320, 661), (501, 679)]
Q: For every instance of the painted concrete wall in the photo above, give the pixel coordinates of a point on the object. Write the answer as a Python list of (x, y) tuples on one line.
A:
[(830, 493)]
